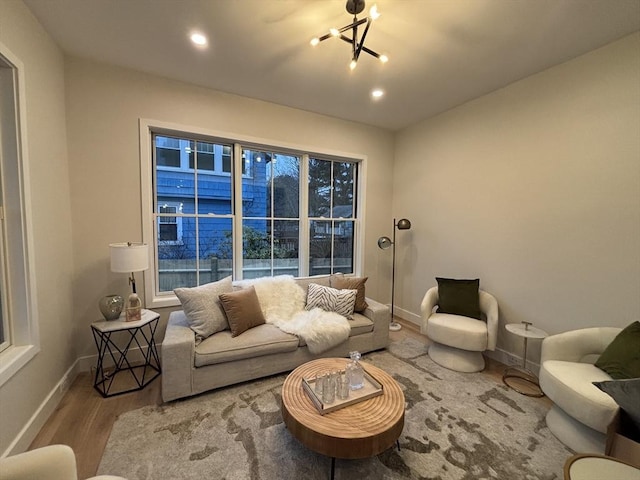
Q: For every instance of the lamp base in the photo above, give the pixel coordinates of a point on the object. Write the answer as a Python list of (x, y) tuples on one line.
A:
[(395, 326)]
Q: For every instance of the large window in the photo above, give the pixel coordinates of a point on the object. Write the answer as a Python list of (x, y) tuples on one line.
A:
[(331, 213), (222, 207), (271, 215), (18, 312)]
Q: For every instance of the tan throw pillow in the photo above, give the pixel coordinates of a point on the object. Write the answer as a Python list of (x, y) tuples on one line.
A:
[(243, 310), (342, 282), (202, 307)]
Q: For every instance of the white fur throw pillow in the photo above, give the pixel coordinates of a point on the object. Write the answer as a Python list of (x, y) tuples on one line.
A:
[(331, 299), (280, 296)]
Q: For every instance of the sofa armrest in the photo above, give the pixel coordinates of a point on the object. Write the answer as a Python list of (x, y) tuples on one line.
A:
[(429, 301), (489, 306), (577, 345), (178, 357), (380, 315)]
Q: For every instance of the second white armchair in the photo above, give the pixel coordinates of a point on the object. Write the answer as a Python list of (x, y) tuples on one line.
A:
[(458, 341)]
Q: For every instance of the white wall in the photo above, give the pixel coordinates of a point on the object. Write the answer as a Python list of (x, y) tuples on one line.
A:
[(104, 105), (28, 392), (535, 189)]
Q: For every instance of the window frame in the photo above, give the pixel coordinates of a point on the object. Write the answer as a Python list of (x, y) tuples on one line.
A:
[(148, 127), (19, 272)]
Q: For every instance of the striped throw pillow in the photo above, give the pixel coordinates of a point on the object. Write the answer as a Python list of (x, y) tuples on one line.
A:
[(331, 299)]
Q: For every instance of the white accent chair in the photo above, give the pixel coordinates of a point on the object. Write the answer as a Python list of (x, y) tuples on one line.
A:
[(457, 341), (54, 462), (581, 412)]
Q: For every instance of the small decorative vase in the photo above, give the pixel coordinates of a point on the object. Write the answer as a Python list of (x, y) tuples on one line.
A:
[(134, 308), (111, 306)]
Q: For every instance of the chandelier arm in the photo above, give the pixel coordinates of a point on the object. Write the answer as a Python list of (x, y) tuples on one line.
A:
[(356, 53), (324, 37), (354, 50), (355, 23), (344, 38), (370, 52)]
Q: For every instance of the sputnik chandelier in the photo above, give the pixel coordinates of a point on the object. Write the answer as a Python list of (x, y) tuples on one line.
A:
[(355, 7)]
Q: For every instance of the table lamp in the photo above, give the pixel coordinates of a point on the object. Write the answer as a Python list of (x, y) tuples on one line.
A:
[(130, 258)]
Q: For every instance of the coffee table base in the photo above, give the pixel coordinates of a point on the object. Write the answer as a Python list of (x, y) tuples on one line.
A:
[(333, 462)]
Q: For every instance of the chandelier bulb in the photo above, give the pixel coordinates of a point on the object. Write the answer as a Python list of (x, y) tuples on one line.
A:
[(353, 64), (374, 13), (384, 58), (314, 41), (334, 31)]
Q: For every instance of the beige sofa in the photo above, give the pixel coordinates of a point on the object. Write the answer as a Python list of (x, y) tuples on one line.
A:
[(219, 360)]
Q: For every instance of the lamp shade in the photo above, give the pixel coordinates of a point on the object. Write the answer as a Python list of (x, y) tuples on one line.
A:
[(403, 224), (384, 242), (129, 257)]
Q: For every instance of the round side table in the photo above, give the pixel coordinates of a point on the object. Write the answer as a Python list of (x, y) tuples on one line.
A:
[(523, 374), (597, 467)]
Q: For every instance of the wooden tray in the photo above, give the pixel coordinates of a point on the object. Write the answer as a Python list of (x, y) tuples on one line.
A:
[(372, 388)]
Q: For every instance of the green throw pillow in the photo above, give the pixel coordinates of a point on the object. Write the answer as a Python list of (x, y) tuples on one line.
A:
[(459, 297), (621, 359), (626, 393)]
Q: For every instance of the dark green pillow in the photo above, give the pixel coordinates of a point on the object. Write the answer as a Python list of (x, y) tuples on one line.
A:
[(459, 297), (621, 359), (626, 393)]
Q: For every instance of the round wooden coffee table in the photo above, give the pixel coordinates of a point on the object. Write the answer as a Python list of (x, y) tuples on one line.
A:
[(360, 430)]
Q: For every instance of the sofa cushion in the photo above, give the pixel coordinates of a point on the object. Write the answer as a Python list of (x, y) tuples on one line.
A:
[(342, 282), (262, 340), (569, 385), (243, 310), (446, 329), (621, 358), (359, 324), (459, 297), (330, 299), (203, 309)]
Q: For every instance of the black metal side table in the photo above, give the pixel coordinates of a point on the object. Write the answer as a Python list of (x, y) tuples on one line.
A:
[(115, 340)]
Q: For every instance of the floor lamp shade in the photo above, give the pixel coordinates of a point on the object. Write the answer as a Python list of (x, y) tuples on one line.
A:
[(384, 243)]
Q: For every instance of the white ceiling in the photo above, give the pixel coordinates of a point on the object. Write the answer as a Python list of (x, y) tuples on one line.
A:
[(442, 52)]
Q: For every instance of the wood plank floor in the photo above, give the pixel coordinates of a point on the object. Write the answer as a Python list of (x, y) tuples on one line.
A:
[(84, 419)]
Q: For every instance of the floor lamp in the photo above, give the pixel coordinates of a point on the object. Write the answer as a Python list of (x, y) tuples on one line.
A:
[(384, 243)]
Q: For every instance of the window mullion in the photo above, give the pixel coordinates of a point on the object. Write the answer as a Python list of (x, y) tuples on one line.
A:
[(304, 237), (237, 211), (196, 209)]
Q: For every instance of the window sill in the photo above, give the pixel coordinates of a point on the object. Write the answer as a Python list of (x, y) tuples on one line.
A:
[(13, 359)]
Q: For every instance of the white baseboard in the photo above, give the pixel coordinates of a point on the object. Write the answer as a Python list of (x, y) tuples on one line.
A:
[(47, 407), (41, 415), (406, 315)]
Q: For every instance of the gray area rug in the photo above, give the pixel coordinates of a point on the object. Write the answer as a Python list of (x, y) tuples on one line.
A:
[(457, 426)]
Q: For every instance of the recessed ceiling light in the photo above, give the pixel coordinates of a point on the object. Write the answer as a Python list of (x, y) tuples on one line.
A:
[(199, 39), (377, 93)]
